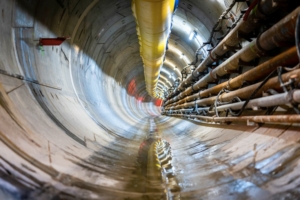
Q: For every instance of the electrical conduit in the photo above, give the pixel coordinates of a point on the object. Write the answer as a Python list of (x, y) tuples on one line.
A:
[(153, 20)]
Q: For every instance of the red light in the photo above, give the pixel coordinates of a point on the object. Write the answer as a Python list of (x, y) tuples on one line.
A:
[(131, 88), (158, 102)]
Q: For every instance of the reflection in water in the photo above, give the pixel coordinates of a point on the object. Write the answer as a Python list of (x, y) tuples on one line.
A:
[(155, 175), (164, 156)]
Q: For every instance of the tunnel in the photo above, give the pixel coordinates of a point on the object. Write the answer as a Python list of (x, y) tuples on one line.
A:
[(76, 120)]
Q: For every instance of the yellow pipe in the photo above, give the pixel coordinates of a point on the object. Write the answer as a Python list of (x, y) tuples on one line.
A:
[(153, 19)]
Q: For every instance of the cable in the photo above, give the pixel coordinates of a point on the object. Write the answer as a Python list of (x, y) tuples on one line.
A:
[(219, 103), (232, 27), (216, 102), (254, 3), (271, 110), (214, 29), (295, 106), (253, 94), (279, 71), (23, 78)]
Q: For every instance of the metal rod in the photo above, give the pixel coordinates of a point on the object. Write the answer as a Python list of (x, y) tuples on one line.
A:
[(257, 119), (20, 77), (242, 93), (288, 57), (269, 101)]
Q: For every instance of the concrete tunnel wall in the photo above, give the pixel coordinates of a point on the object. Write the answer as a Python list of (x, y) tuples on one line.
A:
[(79, 136)]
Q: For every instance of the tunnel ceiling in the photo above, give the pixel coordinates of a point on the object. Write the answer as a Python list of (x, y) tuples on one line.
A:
[(77, 121), (102, 55)]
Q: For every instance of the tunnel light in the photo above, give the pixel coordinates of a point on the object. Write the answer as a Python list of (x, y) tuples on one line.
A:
[(182, 56), (187, 27), (192, 35), (76, 48), (177, 51), (167, 62), (199, 40), (185, 59)]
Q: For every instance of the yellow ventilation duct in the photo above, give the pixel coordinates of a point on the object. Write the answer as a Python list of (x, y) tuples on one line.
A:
[(153, 19)]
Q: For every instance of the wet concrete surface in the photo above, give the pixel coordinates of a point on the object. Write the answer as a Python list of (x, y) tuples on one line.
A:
[(161, 163)]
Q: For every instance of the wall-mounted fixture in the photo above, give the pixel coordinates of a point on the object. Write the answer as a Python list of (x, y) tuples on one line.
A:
[(192, 35)]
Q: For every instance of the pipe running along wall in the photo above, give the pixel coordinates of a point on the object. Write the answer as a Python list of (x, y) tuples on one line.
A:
[(153, 20), (262, 10), (288, 57), (283, 31)]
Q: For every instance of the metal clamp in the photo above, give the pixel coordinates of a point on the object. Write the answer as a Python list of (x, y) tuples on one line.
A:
[(214, 59), (195, 77), (210, 74), (291, 97), (262, 51), (228, 84), (193, 89), (196, 107)]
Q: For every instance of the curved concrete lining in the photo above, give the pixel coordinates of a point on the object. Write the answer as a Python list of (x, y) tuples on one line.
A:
[(76, 127)]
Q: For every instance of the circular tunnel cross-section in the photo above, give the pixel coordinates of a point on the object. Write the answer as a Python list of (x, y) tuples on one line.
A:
[(77, 122)]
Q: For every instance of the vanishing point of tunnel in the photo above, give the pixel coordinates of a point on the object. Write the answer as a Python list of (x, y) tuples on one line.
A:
[(149, 99)]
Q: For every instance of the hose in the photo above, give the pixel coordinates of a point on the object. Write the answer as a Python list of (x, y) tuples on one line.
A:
[(254, 3), (295, 106), (253, 94)]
